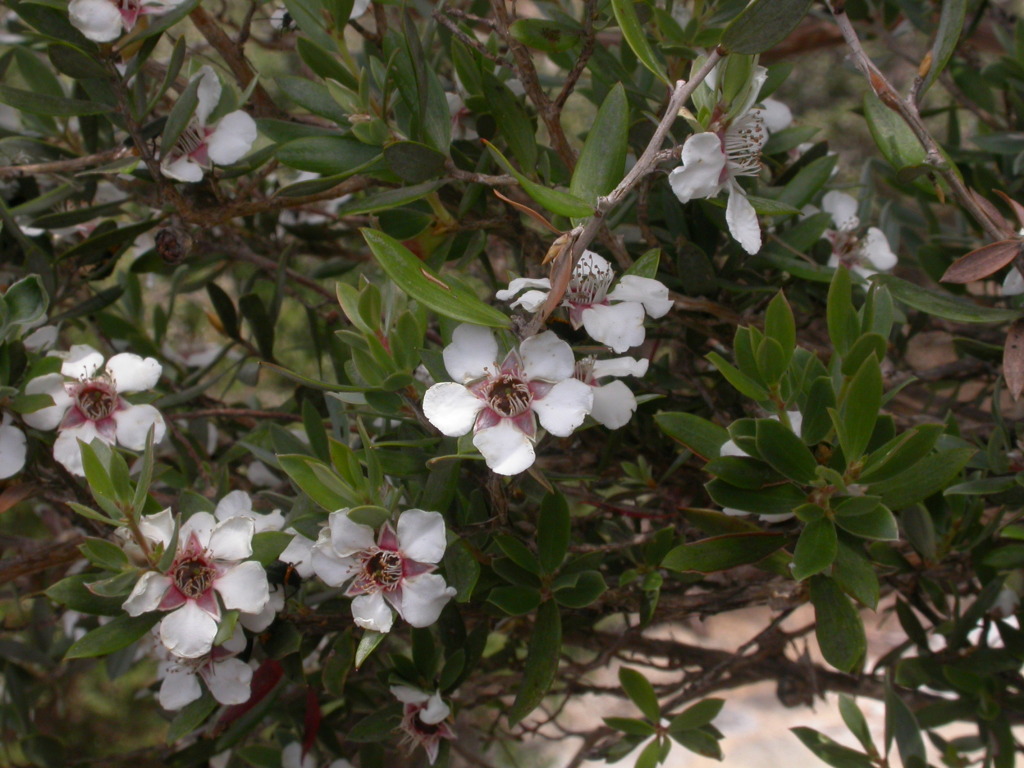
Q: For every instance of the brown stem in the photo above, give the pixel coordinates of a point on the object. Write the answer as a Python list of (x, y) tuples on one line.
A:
[(70, 165)]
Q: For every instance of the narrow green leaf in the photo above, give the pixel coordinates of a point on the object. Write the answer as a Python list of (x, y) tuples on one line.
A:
[(831, 752), (720, 553), (701, 436), (424, 285), (553, 530), (545, 35), (333, 156), (843, 327), (951, 23), (894, 138), (633, 34), (855, 721), (119, 633), (542, 658), (941, 304), (413, 162), (553, 200), (785, 451), (368, 644), (901, 724), (762, 24), (775, 500), (640, 692), (180, 116), (921, 480), (839, 629), (388, 199), (697, 715), (602, 162), (40, 104), (631, 725), (743, 383), (815, 549), (859, 409), (513, 122), (878, 524), (808, 181)]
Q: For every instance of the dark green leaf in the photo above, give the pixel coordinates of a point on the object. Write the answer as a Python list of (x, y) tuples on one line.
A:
[(697, 715), (553, 200), (589, 586), (815, 549), (743, 383), (723, 552), (640, 692), (699, 435), (634, 35), (777, 500), (413, 162), (839, 629), (513, 122), (828, 751), (119, 633), (901, 724), (180, 116), (545, 35), (603, 160), (40, 104), (785, 451), (951, 23), (941, 304), (515, 601), (542, 658), (553, 530), (879, 524), (894, 138), (334, 156), (928, 476), (859, 409), (762, 24)]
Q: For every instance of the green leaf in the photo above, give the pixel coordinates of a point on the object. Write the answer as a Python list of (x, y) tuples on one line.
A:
[(699, 435), (74, 593), (743, 383), (830, 752), (553, 531), (815, 549), (602, 162), (589, 585), (318, 481), (646, 265), (542, 658), (651, 754), (631, 725), (859, 409), (928, 476), (720, 553), (553, 200), (697, 715), (640, 692), (180, 116), (843, 327), (413, 162), (901, 724), (808, 181), (855, 574), (894, 138), (785, 451), (941, 304), (633, 34), (119, 633), (868, 344), (190, 717), (368, 644), (333, 156), (775, 500), (879, 523), (839, 629), (313, 96), (26, 301), (901, 453), (762, 24), (324, 63), (545, 35), (951, 23), (855, 721), (104, 554), (424, 285), (388, 199), (700, 741), (514, 600), (780, 325), (40, 104), (262, 327), (513, 122)]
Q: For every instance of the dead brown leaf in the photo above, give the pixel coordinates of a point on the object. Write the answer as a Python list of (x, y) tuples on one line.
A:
[(982, 262)]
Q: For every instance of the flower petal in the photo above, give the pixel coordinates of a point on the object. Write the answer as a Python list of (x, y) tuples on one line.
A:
[(435, 711), (229, 681), (614, 404), (451, 408), (531, 301), (875, 249), (843, 209), (257, 622), (236, 503), (519, 283), (1013, 285), (653, 294), (132, 373), (66, 449), (547, 357), (620, 366), (421, 535), (777, 115), (232, 139), (564, 407), (81, 362), (133, 425), (202, 525), (12, 449), (423, 599), (188, 632), (332, 569), (372, 612), (231, 540), (298, 554), (506, 450), (348, 536), (409, 695), (147, 593), (244, 586), (182, 169), (158, 528), (209, 93), (98, 20), (471, 354), (50, 417), (742, 220), (180, 686), (702, 164), (620, 326)]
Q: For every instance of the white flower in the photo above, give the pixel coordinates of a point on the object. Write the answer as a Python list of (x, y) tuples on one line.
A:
[(88, 405), (226, 677), (238, 504), (712, 162), (614, 403), (423, 719), (729, 448), (199, 144), (864, 255), (299, 554), (103, 20), (499, 402), (397, 569), (292, 757), (614, 318), (12, 448), (210, 561), (777, 115)]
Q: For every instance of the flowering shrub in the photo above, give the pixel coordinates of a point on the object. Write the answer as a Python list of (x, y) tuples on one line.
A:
[(379, 382)]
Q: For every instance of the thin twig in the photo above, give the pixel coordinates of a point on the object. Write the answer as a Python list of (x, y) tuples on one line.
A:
[(69, 165)]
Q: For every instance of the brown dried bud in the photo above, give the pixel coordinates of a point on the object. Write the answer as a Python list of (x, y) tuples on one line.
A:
[(174, 244)]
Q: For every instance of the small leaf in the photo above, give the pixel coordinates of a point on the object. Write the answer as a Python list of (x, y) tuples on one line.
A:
[(720, 553), (893, 136), (553, 531), (773, 500), (762, 24), (640, 692), (942, 305), (951, 23), (815, 549), (699, 435), (631, 725), (181, 115), (839, 630), (368, 644), (334, 156), (901, 724), (785, 451), (696, 716), (424, 285), (830, 752), (743, 383), (413, 162), (982, 262), (119, 633), (603, 160), (633, 34), (542, 658), (553, 200), (40, 104), (515, 601), (545, 35), (878, 524)]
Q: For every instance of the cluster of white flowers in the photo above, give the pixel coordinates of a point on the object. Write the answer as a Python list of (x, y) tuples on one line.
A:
[(104, 21)]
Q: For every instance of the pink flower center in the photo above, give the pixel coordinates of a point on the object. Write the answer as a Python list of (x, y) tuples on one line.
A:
[(193, 577), (589, 284), (508, 395), (742, 142), (95, 398)]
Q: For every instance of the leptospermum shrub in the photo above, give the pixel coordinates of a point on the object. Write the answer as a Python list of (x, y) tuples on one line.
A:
[(378, 380)]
